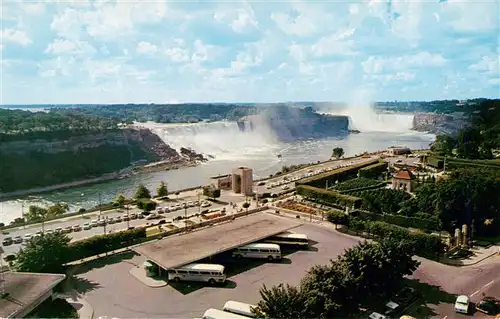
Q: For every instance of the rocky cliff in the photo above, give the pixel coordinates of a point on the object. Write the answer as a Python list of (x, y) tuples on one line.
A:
[(290, 123), (438, 123), (26, 164)]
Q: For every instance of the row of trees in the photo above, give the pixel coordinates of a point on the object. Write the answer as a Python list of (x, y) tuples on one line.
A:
[(365, 276)]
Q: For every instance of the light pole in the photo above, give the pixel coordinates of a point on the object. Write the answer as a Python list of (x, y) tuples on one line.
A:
[(185, 217), (22, 215), (128, 217), (100, 208)]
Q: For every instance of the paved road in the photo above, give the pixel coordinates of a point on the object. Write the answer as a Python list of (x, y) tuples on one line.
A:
[(283, 183), (472, 281), (78, 220)]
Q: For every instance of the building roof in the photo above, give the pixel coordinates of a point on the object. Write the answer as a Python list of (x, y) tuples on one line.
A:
[(404, 174), (178, 250), (25, 289)]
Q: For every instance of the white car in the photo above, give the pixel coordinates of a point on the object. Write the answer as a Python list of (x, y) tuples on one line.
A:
[(376, 315), (94, 223), (205, 204), (462, 304)]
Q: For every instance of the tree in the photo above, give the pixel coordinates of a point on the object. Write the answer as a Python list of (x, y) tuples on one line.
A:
[(245, 206), (120, 200), (338, 152), (36, 214), (57, 209), (162, 190), (45, 254), (469, 141), (211, 192), (282, 301), (336, 217), (142, 192), (443, 145), (146, 205)]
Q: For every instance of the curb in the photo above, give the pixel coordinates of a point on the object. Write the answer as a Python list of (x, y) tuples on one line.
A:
[(462, 264)]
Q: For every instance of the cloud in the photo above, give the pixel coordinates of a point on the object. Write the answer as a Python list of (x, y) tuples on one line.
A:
[(145, 47), (15, 36), (120, 51)]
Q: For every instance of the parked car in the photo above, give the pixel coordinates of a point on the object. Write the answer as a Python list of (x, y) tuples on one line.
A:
[(110, 220), (94, 223), (125, 217), (18, 240), (87, 226), (462, 304), (27, 237), (68, 229), (133, 216), (140, 216), (101, 222), (488, 305), (376, 315), (77, 228), (7, 241), (59, 230), (152, 216), (118, 219)]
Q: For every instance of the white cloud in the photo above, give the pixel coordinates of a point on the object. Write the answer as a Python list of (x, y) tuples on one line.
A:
[(15, 36), (240, 19), (335, 44), (63, 46), (376, 64), (177, 54), (145, 47), (488, 64)]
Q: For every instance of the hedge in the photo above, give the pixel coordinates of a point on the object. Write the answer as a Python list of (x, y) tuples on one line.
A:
[(355, 183), (327, 196), (336, 217), (426, 224), (366, 188), (104, 243), (435, 162), (373, 170), (340, 175), (425, 245)]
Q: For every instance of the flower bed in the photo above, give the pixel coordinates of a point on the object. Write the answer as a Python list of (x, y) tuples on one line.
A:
[(292, 205)]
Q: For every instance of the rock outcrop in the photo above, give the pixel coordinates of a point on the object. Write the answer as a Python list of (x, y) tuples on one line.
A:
[(438, 123)]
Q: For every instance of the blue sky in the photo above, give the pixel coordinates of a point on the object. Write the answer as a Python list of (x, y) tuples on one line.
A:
[(126, 51)]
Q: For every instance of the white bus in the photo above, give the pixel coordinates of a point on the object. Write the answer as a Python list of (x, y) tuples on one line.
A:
[(218, 314), (211, 273), (239, 308), (258, 250), (289, 238)]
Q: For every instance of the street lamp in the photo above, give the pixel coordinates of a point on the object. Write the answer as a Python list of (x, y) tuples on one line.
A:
[(128, 217), (185, 217)]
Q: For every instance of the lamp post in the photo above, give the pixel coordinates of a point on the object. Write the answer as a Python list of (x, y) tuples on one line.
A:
[(185, 217), (128, 217)]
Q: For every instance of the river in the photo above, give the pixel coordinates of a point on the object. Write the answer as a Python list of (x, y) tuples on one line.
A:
[(231, 148)]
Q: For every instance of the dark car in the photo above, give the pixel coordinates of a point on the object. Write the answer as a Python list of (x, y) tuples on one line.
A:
[(488, 305)]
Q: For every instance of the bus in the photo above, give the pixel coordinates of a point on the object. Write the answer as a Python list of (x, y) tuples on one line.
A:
[(289, 238), (239, 308), (219, 314), (211, 273), (258, 250)]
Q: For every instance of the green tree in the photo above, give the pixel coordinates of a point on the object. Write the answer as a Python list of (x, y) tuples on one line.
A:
[(44, 254), (469, 141), (120, 200), (142, 192), (162, 190), (338, 152), (57, 209), (282, 301), (146, 205), (336, 217), (443, 145), (211, 192)]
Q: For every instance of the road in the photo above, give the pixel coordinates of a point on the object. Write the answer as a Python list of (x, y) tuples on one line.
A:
[(78, 220), (285, 182), (473, 281)]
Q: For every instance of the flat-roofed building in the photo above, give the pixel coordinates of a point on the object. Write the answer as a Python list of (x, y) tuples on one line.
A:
[(221, 181), (23, 292), (398, 150)]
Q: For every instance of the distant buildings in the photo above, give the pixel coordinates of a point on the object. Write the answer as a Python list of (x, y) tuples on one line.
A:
[(398, 150)]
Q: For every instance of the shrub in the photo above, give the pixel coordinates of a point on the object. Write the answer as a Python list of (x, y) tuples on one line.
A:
[(327, 197), (103, 243), (374, 170), (428, 224), (356, 183), (336, 217), (425, 245), (146, 205)]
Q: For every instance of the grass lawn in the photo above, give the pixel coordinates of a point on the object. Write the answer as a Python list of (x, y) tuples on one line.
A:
[(58, 308), (152, 231)]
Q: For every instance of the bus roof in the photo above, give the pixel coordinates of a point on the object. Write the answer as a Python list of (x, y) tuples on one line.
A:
[(261, 246), (219, 314), (291, 235), (238, 306), (200, 267)]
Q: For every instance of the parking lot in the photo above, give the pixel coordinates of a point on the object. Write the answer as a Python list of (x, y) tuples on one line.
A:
[(112, 291)]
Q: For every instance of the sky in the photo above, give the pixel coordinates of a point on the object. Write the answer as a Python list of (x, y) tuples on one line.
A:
[(97, 52)]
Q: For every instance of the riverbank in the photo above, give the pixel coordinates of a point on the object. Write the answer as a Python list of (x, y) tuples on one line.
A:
[(38, 190)]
